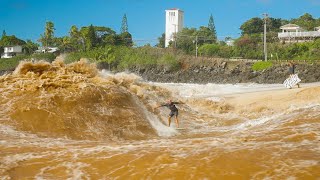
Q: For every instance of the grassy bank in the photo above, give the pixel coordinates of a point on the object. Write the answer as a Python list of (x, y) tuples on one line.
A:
[(119, 58), (11, 63)]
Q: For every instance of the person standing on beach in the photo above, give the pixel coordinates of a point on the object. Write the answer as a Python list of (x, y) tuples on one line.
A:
[(292, 67), (173, 111)]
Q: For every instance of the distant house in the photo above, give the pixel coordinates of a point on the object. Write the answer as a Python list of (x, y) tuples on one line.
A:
[(294, 33), (47, 50), (11, 51), (230, 42)]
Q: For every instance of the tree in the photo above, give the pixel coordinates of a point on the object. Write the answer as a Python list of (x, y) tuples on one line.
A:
[(102, 33), (11, 41), (91, 38), (47, 38), (125, 39), (306, 21), (104, 55), (205, 35), (4, 33), (75, 40), (212, 28), (209, 49), (186, 39), (74, 32), (161, 39), (30, 47), (273, 24), (254, 25), (124, 25)]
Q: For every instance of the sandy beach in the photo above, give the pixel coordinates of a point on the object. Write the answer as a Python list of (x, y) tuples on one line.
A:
[(274, 100)]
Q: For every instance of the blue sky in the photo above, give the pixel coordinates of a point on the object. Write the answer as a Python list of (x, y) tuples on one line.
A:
[(146, 18)]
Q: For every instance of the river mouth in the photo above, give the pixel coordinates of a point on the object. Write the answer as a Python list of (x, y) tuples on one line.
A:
[(71, 121)]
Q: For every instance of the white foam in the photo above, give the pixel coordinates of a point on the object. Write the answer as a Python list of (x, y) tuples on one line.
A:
[(161, 129), (209, 90)]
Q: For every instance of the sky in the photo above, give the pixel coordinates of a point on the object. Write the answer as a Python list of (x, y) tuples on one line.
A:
[(146, 18)]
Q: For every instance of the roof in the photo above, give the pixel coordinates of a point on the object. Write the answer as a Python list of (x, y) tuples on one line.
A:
[(13, 46), (174, 9), (290, 26)]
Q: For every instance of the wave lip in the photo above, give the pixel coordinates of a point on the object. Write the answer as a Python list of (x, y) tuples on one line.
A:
[(73, 101)]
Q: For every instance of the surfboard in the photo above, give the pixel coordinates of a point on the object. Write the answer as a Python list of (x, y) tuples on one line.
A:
[(291, 81)]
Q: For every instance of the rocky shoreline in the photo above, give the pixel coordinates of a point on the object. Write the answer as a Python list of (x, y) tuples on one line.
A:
[(228, 72), (223, 72)]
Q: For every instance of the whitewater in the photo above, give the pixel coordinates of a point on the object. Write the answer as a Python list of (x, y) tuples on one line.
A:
[(72, 121)]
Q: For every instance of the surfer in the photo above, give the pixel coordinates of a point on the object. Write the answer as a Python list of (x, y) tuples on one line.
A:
[(173, 111), (292, 67)]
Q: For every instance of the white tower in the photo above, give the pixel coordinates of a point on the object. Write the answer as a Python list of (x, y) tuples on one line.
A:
[(174, 24)]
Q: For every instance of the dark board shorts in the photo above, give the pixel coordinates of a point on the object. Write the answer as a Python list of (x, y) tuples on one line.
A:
[(173, 113)]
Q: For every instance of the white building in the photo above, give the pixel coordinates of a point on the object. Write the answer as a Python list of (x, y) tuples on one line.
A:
[(294, 33), (230, 42), (11, 51), (47, 50), (174, 24)]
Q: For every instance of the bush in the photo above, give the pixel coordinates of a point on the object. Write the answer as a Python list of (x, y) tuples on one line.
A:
[(11, 63), (261, 65), (209, 49), (169, 61), (43, 56)]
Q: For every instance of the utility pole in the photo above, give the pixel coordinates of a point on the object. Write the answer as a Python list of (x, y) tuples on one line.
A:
[(265, 16)]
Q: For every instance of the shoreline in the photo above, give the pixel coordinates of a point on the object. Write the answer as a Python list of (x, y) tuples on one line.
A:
[(275, 101), (228, 72)]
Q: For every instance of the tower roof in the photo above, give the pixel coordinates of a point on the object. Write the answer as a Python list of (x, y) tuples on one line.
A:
[(174, 9)]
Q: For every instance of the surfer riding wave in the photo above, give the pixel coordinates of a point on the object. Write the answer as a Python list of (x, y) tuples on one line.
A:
[(173, 111)]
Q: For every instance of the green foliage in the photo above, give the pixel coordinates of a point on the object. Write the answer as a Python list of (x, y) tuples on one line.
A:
[(11, 63), (169, 61), (3, 34), (122, 57), (261, 65), (47, 39), (161, 40), (249, 47), (125, 39), (124, 24), (205, 35), (212, 28), (11, 41), (254, 25), (75, 41), (91, 39), (186, 39), (306, 21), (30, 47), (273, 25), (42, 56), (209, 50)]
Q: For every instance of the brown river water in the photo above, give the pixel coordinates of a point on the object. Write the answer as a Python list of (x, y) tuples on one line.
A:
[(72, 121)]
